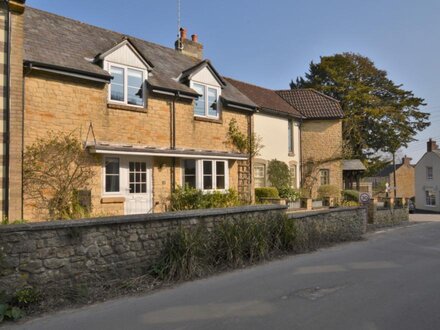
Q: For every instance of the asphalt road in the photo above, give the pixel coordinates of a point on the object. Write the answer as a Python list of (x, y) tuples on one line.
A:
[(389, 281)]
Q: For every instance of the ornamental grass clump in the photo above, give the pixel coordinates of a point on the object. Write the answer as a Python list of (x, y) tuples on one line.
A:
[(184, 255)]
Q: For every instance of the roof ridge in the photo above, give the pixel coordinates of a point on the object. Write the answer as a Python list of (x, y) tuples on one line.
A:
[(309, 89), (98, 27), (271, 90)]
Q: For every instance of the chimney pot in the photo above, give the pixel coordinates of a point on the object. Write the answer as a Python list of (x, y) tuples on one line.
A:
[(182, 33), (195, 38)]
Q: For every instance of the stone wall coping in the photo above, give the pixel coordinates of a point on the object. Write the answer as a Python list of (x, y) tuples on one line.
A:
[(300, 215), (139, 218)]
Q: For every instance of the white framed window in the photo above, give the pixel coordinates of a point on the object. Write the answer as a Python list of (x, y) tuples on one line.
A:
[(293, 176), (430, 198), (127, 85), (207, 104), (290, 137), (205, 174), (259, 175), (429, 173), (324, 176), (112, 175)]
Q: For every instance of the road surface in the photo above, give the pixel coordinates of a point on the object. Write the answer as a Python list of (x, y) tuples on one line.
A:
[(389, 281)]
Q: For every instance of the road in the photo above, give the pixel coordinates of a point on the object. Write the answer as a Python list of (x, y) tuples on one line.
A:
[(389, 281)]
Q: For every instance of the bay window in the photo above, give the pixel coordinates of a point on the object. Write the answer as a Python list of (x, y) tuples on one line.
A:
[(207, 175)]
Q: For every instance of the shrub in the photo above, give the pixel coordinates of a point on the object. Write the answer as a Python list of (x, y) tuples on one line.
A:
[(350, 195), (349, 203), (266, 192), (184, 255), (328, 191), (289, 193), (26, 297), (278, 174), (186, 198)]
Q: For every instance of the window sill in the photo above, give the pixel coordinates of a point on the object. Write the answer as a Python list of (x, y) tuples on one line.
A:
[(209, 120), (112, 200), (291, 154), (126, 107)]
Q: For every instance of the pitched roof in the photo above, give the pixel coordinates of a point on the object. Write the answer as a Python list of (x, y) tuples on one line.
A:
[(59, 42), (265, 98), (353, 165), (312, 104)]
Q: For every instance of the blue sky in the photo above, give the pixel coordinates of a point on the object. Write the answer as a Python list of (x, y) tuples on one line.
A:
[(270, 42)]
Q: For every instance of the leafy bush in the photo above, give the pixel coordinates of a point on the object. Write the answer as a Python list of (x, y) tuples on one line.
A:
[(26, 297), (350, 195), (266, 192), (289, 193), (328, 191), (186, 198), (278, 174), (349, 203), (11, 306)]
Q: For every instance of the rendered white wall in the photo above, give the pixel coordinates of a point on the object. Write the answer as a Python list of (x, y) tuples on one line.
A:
[(430, 159)]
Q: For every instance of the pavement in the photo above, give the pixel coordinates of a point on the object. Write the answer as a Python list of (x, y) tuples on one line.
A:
[(391, 280)]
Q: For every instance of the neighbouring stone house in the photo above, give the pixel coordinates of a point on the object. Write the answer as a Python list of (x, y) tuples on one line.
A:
[(278, 125), (321, 137), (155, 117), (301, 127), (427, 179), (405, 179)]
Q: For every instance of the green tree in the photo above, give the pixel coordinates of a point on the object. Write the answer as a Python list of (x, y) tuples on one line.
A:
[(279, 174), (379, 114)]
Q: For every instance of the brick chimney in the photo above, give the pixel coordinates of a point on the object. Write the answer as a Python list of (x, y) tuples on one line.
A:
[(189, 47), (406, 160), (431, 145)]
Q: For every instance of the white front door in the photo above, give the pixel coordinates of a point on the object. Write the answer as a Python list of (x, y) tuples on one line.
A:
[(138, 197)]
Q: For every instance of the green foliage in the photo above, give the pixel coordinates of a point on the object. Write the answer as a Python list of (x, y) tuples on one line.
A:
[(289, 193), (5, 221), (239, 140), (266, 192), (346, 203), (329, 191), (27, 296), (279, 174), (186, 198), (55, 168), (350, 195), (183, 255), (379, 114), (11, 307)]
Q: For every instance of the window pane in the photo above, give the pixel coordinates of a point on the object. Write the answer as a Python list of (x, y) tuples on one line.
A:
[(117, 84), (212, 102), (112, 183), (199, 107), (220, 168), (189, 167), (259, 176), (135, 87), (112, 166), (220, 182), (207, 167), (207, 182), (207, 174), (290, 136)]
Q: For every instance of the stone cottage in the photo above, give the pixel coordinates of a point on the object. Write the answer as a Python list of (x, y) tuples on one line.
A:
[(155, 117)]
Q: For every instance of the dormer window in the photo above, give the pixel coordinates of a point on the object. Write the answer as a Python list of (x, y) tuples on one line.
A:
[(127, 85), (206, 105)]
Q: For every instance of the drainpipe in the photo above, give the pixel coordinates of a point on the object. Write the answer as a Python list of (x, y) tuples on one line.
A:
[(8, 108), (249, 117), (173, 141), (301, 165)]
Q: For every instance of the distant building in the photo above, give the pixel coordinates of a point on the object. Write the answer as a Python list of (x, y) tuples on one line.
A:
[(427, 179), (404, 178)]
